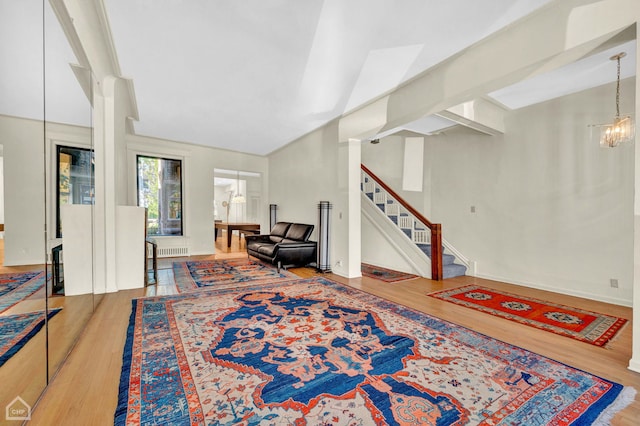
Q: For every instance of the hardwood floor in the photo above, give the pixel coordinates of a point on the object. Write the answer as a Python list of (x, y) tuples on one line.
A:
[(86, 389)]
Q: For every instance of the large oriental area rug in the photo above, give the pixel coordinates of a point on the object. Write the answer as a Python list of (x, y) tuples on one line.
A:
[(17, 286), (586, 326), (316, 352), (194, 275)]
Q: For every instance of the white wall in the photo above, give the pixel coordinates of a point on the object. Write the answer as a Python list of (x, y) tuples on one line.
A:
[(1, 190), (24, 189), (386, 160), (306, 172), (198, 191), (24, 165), (376, 250), (23, 142), (553, 209)]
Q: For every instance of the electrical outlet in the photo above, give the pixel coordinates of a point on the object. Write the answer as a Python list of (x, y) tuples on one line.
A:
[(339, 263), (614, 282)]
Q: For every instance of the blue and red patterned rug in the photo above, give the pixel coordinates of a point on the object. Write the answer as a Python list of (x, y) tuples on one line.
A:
[(579, 324), (17, 330), (317, 352), (194, 275), (386, 275), (17, 286)]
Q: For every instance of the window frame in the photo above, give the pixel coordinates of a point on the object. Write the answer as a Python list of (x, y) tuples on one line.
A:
[(181, 183), (58, 150)]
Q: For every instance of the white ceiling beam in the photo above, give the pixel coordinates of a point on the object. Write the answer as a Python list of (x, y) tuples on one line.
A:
[(86, 27), (559, 33), (478, 114)]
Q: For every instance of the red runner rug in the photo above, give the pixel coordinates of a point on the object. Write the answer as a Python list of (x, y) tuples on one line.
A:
[(586, 326)]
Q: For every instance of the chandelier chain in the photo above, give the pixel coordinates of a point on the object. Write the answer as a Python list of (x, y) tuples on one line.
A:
[(618, 91)]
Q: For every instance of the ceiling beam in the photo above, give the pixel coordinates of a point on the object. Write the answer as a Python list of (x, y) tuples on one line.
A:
[(86, 27), (557, 34)]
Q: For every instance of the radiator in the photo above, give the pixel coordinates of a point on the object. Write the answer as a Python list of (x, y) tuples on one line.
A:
[(170, 251)]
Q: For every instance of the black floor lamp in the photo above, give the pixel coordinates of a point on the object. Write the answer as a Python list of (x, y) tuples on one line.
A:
[(324, 219)]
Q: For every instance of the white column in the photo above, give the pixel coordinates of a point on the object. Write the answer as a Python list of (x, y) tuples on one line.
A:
[(634, 363), (346, 232), (105, 122)]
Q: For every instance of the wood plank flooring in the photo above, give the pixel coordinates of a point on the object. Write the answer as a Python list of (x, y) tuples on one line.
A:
[(86, 389)]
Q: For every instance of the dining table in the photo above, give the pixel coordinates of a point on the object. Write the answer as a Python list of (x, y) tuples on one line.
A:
[(230, 227)]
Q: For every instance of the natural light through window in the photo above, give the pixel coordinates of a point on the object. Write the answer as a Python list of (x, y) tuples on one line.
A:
[(160, 191)]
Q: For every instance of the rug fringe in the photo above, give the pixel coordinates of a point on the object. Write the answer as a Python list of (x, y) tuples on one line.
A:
[(616, 335), (626, 397)]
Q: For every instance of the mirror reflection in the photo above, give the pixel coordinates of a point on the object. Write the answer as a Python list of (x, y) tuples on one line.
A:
[(22, 296), (45, 133)]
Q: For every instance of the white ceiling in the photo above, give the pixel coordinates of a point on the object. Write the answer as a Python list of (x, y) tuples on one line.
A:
[(254, 75), (589, 72), (21, 66)]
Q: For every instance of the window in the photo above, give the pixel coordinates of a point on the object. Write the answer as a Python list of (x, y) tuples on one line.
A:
[(160, 191), (75, 184)]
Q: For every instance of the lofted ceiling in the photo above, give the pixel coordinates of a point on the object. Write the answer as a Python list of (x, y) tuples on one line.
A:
[(254, 75)]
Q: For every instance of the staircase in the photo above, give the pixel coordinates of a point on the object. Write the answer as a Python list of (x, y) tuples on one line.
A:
[(409, 222)]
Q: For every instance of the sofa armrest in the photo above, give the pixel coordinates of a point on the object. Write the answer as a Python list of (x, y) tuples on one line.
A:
[(297, 253), (296, 245)]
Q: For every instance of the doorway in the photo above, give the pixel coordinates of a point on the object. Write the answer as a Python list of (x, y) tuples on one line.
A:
[(236, 200)]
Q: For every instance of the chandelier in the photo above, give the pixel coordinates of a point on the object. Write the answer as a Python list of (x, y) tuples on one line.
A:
[(622, 129), (238, 198)]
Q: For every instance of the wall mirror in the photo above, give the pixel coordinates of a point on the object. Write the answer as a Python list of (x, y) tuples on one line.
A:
[(45, 162)]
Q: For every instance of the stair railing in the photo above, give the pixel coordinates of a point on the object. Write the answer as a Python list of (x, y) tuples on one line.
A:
[(435, 235)]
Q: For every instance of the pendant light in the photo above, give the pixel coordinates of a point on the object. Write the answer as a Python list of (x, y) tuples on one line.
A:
[(621, 130)]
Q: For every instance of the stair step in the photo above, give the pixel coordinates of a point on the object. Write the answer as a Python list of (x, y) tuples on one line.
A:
[(453, 270), (450, 269), (448, 259), (426, 248)]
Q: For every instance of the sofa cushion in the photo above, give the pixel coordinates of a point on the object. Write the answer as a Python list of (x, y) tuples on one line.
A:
[(280, 229), (267, 249), (287, 241), (299, 232), (255, 245)]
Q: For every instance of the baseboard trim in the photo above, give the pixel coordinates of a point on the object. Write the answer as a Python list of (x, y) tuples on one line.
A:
[(599, 298)]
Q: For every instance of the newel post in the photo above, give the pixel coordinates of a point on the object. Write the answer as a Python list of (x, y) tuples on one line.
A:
[(436, 252)]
